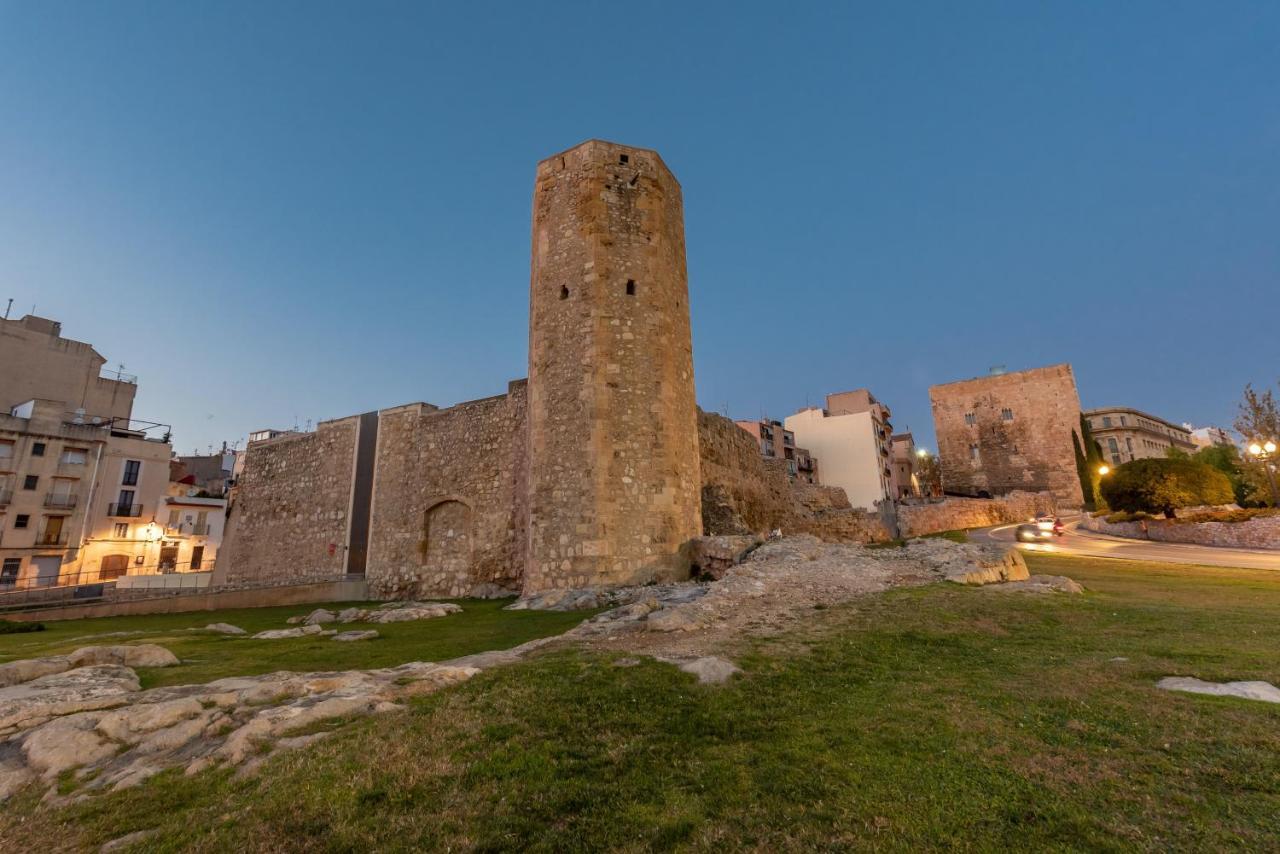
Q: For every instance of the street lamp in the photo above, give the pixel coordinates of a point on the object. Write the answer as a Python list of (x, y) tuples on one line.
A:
[(1265, 451), (1104, 470)]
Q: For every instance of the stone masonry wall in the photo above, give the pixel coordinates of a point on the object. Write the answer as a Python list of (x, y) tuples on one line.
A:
[(1260, 533), (292, 504), (744, 493), (1030, 451), (446, 521), (953, 514), (613, 456)]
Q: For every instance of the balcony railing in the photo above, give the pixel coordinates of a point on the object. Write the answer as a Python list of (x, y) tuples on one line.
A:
[(61, 502), (48, 538), (6, 495), (195, 530), (126, 511)]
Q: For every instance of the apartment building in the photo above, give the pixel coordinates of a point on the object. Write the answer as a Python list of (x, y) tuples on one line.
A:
[(74, 496), (1131, 434), (80, 481), (1208, 437), (777, 442), (37, 363), (853, 437)]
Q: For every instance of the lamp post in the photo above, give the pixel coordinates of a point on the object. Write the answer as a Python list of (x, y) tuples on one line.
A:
[(1265, 453)]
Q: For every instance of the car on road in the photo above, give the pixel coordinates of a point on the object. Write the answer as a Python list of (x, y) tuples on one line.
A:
[(1030, 532), (1043, 529)]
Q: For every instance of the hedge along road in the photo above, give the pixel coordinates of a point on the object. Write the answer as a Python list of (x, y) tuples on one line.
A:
[(1091, 544)]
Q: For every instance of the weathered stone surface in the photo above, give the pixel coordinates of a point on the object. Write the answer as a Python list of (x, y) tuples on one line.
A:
[(710, 669), (281, 634), (127, 725), (82, 689), (14, 775), (672, 620), (712, 557), (1041, 584), (120, 843), (970, 563), (1252, 690), (318, 616), (367, 634), (17, 672), (225, 629), (238, 721), (402, 612), (350, 615), (65, 743), (129, 655)]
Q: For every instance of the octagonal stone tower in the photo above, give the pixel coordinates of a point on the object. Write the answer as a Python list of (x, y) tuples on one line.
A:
[(613, 473)]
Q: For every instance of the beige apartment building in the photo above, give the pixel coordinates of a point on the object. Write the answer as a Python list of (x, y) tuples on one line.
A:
[(37, 363), (1131, 434), (75, 498), (79, 486), (777, 442), (853, 438)]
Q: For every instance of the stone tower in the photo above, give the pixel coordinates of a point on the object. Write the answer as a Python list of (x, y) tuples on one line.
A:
[(613, 472)]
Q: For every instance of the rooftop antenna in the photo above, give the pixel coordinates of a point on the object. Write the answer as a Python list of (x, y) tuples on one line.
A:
[(7, 307)]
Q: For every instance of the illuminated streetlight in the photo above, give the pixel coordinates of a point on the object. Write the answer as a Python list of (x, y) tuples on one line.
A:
[(1265, 452), (922, 452), (1104, 470)]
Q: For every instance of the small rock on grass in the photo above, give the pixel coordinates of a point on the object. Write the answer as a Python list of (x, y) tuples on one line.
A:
[(278, 634), (318, 616), (225, 629), (710, 670), (1252, 690), (368, 634)]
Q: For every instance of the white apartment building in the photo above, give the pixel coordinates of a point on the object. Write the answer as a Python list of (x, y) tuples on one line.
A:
[(853, 438)]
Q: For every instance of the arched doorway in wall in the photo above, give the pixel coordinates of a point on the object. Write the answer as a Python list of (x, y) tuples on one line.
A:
[(446, 544)]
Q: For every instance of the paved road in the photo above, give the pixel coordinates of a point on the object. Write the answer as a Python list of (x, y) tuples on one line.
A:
[(1088, 543)]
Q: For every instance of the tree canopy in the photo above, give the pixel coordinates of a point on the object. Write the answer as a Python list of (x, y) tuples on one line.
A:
[(1164, 485)]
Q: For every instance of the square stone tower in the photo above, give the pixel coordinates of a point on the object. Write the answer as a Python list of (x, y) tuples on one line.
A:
[(614, 490), (1009, 431)]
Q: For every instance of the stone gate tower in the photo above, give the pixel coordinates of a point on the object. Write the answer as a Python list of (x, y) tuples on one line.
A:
[(613, 472)]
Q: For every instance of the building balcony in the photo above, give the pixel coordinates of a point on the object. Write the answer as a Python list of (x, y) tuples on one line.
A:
[(193, 530), (61, 502), (49, 538), (124, 511)]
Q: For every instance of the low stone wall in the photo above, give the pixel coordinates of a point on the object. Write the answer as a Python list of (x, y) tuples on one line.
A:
[(1262, 533), (953, 513), (134, 603)]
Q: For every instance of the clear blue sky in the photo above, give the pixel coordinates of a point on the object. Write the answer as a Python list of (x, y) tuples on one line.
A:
[(272, 211)]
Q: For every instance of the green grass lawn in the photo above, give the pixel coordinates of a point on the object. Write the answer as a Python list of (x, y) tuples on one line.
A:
[(482, 625), (934, 717)]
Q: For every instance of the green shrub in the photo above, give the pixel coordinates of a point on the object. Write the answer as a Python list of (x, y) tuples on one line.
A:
[(1164, 485), (1230, 516), (1128, 517), (9, 627)]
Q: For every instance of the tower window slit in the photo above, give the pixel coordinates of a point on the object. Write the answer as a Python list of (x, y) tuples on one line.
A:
[(631, 287), (564, 292)]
